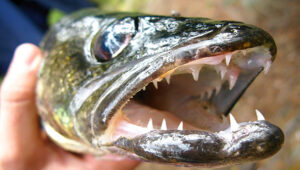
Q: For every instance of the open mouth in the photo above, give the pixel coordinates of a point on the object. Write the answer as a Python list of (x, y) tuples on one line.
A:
[(174, 108), (197, 95), (156, 88), (194, 99)]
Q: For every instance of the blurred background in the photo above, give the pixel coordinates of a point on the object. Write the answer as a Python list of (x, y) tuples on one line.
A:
[(276, 95)]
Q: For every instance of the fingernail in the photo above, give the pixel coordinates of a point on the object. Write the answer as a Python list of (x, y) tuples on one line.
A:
[(24, 53), (35, 63), (27, 54)]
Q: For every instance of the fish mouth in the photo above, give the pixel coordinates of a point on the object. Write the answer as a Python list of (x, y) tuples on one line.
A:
[(172, 107), (197, 95), (193, 99)]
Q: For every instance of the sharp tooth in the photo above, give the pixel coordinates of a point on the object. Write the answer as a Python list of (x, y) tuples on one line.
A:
[(267, 66), (233, 124), (168, 78), (259, 115), (227, 59), (155, 84), (180, 126), (195, 72), (163, 125), (223, 72), (144, 88), (232, 81), (150, 124)]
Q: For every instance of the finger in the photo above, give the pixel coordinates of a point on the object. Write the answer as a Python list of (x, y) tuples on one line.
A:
[(19, 120)]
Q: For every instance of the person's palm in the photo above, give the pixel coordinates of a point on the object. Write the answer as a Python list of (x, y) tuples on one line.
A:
[(22, 143)]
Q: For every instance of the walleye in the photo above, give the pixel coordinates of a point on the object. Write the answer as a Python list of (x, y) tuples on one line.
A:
[(155, 88)]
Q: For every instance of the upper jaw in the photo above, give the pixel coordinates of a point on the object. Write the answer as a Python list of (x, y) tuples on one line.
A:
[(231, 84), (223, 49), (155, 68), (249, 61)]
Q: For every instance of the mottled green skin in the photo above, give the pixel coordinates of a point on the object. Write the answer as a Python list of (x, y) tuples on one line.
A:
[(69, 71), (63, 71)]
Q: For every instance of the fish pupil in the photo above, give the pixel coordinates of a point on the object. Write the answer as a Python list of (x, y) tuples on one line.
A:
[(114, 39), (107, 45)]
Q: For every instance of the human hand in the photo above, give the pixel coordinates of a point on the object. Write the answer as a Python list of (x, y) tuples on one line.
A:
[(23, 145)]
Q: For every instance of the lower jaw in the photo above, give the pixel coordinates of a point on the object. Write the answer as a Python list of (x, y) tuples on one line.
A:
[(206, 149)]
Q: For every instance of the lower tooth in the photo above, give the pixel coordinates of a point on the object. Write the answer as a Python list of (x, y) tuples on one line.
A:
[(150, 124), (259, 115), (163, 125), (180, 126), (233, 124)]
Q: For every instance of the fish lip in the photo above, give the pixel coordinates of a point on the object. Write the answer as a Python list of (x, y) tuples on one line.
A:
[(233, 37), (200, 148)]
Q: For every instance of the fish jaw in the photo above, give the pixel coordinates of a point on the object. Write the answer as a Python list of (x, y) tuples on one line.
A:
[(237, 64), (92, 104), (200, 148), (211, 46)]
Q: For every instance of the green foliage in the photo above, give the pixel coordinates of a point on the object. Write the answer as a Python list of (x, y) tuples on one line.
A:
[(120, 5), (106, 5), (54, 16)]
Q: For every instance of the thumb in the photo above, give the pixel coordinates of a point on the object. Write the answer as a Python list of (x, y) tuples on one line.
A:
[(19, 120)]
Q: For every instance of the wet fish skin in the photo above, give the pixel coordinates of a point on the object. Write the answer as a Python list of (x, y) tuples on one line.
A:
[(77, 95), (216, 149)]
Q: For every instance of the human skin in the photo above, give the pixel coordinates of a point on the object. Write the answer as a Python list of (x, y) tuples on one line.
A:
[(23, 145)]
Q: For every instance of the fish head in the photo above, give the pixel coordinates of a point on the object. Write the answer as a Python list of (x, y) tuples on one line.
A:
[(199, 69)]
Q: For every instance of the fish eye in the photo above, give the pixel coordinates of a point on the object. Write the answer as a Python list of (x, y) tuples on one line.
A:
[(113, 40)]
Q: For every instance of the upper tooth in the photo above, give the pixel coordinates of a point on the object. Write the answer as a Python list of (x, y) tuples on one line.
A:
[(259, 115), (163, 125), (195, 72), (227, 59), (223, 72), (168, 78), (144, 88), (267, 66), (232, 81), (218, 88), (180, 126), (150, 124), (233, 124), (155, 84)]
